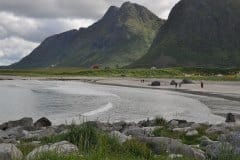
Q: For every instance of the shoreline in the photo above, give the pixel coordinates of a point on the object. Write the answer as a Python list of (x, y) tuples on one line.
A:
[(224, 90)]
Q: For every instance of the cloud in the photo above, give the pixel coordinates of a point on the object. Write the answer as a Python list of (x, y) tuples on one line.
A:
[(55, 8), (13, 48), (26, 23)]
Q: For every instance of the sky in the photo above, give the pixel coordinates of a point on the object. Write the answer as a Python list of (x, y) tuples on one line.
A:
[(24, 24)]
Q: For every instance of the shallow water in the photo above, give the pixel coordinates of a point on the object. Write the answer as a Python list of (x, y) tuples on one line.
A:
[(67, 101)]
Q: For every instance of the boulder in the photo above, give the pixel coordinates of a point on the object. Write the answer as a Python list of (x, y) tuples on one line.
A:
[(205, 141), (215, 150), (39, 133), (24, 122), (42, 122), (230, 118), (192, 133), (186, 81), (217, 129), (63, 147), (119, 126), (146, 123), (120, 136), (161, 145), (9, 152), (155, 83), (135, 132), (173, 82), (182, 130), (232, 138)]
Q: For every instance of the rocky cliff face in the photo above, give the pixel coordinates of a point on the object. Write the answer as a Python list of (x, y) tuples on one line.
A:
[(122, 36), (198, 33)]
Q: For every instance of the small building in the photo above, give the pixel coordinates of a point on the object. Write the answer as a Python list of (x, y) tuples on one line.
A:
[(153, 68), (95, 66)]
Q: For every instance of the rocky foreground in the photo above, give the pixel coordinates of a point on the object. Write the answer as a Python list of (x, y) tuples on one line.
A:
[(176, 138)]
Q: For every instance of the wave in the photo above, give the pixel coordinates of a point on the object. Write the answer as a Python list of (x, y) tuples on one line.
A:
[(99, 110)]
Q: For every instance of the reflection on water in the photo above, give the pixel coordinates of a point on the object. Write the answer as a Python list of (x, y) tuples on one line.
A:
[(63, 101)]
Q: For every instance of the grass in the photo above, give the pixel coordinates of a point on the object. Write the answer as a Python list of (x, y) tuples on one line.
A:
[(95, 145), (217, 74), (190, 140)]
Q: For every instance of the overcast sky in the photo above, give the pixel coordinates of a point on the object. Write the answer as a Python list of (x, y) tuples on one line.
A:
[(24, 24)]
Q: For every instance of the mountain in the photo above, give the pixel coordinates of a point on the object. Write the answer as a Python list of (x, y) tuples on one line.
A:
[(197, 33), (122, 36)]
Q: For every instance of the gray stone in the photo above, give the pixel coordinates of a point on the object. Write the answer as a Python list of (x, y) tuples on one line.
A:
[(24, 122), (230, 118), (217, 129), (192, 133), (214, 150), (205, 141), (9, 152), (120, 136), (63, 147), (182, 130), (161, 145), (134, 132), (39, 133), (42, 122)]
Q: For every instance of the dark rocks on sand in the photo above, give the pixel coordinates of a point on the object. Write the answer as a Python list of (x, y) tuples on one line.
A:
[(173, 82), (42, 122), (230, 118), (186, 81), (24, 122), (155, 83)]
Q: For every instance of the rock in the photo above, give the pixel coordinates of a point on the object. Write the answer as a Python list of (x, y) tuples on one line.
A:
[(42, 122), (175, 156), (146, 123), (24, 122), (63, 147), (9, 152), (120, 136), (196, 126), (182, 130), (15, 132), (186, 81), (173, 82), (233, 138), (135, 132), (214, 150), (119, 126), (39, 133), (192, 133), (173, 123), (217, 129), (161, 145), (205, 141), (230, 118), (155, 83), (3, 135), (176, 123)]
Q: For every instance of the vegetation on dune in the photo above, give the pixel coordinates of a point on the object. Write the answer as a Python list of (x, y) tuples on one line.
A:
[(179, 72)]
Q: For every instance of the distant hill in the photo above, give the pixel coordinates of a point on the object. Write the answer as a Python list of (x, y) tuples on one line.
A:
[(197, 33), (121, 37)]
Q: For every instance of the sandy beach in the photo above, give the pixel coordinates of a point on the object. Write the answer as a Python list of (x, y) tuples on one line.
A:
[(229, 90)]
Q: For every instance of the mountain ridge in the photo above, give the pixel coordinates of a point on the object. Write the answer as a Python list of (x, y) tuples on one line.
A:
[(123, 35)]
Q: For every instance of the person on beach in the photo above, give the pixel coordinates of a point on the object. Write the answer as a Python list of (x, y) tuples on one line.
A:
[(180, 85), (176, 84), (202, 84)]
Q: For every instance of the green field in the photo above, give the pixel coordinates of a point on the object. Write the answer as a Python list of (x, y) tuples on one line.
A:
[(218, 74)]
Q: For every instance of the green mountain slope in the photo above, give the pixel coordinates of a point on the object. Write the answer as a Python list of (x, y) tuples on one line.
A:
[(198, 33), (122, 36)]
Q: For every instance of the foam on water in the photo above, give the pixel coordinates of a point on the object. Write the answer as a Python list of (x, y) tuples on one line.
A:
[(99, 110), (77, 88)]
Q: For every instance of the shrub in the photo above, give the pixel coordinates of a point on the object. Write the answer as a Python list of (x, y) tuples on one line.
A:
[(159, 121), (137, 149)]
